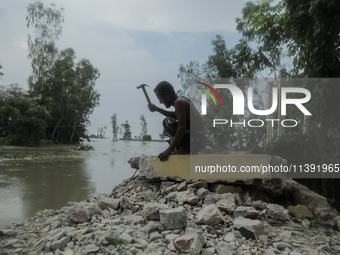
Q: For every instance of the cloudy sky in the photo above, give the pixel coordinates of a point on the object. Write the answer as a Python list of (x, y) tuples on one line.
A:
[(130, 42)]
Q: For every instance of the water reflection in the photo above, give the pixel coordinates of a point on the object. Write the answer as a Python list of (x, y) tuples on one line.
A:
[(49, 177)]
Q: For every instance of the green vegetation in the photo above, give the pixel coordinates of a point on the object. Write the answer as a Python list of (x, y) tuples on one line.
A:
[(127, 132), (115, 127), (61, 93), (304, 38)]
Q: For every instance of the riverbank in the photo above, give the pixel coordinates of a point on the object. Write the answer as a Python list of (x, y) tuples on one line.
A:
[(50, 176), (144, 217)]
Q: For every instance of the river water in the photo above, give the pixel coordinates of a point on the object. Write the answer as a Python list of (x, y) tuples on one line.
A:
[(48, 177)]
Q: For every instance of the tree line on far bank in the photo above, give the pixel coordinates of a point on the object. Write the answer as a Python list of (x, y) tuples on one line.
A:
[(61, 94), (124, 129)]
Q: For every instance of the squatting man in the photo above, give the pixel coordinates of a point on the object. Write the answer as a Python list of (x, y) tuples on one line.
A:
[(184, 126)]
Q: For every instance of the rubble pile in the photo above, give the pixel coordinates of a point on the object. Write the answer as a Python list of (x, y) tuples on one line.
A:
[(164, 217)]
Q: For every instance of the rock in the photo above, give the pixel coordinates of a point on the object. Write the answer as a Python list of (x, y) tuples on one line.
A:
[(224, 248), (305, 223), (60, 244), (295, 253), (202, 192), (134, 162), (170, 189), (77, 216), (282, 245), (125, 238), (7, 232), (246, 212), (212, 198), (249, 228), (109, 202), (91, 248), (300, 211), (173, 218), (230, 237), (56, 234), (220, 188), (209, 215), (259, 205), (91, 208), (226, 205), (126, 204), (187, 197), (192, 242), (155, 236), (182, 186), (153, 226), (278, 212), (151, 210), (198, 185)]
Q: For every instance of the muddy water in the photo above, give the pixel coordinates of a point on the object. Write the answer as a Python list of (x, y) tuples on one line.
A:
[(48, 177)]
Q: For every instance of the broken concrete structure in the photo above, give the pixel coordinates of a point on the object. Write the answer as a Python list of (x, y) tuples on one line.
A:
[(182, 216)]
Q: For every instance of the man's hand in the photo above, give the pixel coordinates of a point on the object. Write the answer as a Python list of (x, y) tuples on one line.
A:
[(152, 107), (165, 154)]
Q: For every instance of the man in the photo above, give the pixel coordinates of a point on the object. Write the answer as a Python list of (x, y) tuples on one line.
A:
[(184, 125)]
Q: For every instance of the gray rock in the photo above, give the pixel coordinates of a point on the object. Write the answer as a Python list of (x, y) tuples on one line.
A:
[(91, 248), (109, 202), (249, 228), (153, 226), (198, 185), (134, 162), (192, 242), (60, 244), (91, 208), (56, 234), (230, 237), (224, 248), (155, 236), (278, 212), (173, 218), (282, 245), (246, 212), (151, 210), (125, 238), (126, 204), (170, 189), (226, 205), (212, 198), (187, 197), (202, 192), (209, 215), (259, 205), (182, 186), (305, 223), (77, 216)]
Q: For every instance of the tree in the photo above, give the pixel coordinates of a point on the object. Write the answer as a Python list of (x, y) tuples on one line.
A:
[(69, 95), (115, 127), (41, 49), (1, 73), (310, 31), (22, 120), (220, 66), (144, 125), (127, 133)]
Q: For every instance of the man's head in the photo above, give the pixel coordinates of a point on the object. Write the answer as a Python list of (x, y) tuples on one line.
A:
[(165, 93)]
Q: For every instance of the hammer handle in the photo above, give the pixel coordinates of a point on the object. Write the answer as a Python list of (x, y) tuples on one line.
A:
[(146, 95)]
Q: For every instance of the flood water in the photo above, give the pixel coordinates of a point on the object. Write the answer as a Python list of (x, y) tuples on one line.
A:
[(50, 176)]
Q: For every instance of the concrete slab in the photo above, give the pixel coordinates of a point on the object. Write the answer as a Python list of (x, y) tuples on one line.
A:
[(222, 168)]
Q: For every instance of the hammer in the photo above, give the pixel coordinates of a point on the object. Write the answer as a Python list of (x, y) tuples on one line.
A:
[(146, 94)]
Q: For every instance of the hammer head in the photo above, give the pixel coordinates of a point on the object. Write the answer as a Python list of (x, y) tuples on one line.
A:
[(142, 86)]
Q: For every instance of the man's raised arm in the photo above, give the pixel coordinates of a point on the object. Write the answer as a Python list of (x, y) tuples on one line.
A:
[(154, 108)]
